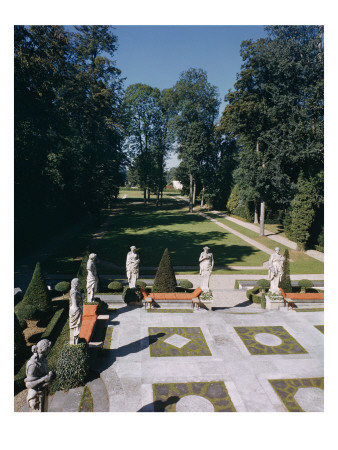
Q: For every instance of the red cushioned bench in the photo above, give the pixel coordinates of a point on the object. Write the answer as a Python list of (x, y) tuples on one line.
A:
[(89, 317), (153, 296), (307, 297)]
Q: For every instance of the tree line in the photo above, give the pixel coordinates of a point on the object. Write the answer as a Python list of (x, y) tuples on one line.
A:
[(77, 130)]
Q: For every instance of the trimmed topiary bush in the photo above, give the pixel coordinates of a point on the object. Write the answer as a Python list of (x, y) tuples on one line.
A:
[(165, 279), (263, 285), (263, 301), (304, 284), (285, 282), (253, 295), (25, 312), (63, 287), (20, 348), (37, 293), (72, 367), (132, 295), (115, 286), (141, 283), (186, 284)]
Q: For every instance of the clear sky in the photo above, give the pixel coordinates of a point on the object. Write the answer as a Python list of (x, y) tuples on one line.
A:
[(156, 55)]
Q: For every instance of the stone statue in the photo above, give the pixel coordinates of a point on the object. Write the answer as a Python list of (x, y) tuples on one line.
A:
[(92, 278), (132, 266), (275, 271), (206, 265), (38, 377), (75, 311)]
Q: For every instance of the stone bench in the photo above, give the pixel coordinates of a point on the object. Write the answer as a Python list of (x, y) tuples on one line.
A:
[(171, 297), (89, 318), (291, 298)]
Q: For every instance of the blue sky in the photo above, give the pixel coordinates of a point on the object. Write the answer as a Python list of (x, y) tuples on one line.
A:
[(156, 55)]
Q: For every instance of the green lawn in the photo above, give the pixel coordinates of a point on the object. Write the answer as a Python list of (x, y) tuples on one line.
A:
[(153, 229), (301, 262)]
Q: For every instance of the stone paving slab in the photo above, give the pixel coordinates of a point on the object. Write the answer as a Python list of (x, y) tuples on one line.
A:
[(130, 372), (72, 401)]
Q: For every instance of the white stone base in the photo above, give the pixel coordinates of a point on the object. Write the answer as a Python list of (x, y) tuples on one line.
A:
[(274, 301)]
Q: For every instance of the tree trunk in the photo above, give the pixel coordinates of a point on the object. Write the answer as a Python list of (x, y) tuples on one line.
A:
[(194, 194), (161, 196), (262, 218), (202, 199), (158, 197), (256, 212), (190, 194), (145, 196), (148, 194)]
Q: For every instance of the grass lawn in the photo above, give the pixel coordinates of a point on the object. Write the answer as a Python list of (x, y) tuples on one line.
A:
[(153, 229), (301, 262)]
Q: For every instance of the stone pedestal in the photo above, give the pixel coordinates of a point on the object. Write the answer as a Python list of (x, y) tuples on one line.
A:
[(274, 301)]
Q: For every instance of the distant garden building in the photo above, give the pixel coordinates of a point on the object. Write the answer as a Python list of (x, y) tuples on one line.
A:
[(177, 184)]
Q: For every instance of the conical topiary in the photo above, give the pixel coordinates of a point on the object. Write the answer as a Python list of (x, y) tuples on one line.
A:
[(37, 292), (165, 280), (285, 282), (20, 348)]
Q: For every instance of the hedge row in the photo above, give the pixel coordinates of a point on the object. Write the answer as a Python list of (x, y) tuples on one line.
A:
[(53, 328)]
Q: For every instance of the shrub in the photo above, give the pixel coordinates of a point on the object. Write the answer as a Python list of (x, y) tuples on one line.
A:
[(305, 284), (37, 293), (236, 284), (25, 312), (251, 294), (115, 286), (285, 282), (165, 280), (263, 301), (303, 208), (62, 287), (186, 284), (234, 199), (141, 283), (82, 272), (20, 348), (263, 285), (54, 326), (131, 295), (73, 366)]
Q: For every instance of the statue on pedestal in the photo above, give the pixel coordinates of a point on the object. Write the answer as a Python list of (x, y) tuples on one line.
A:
[(275, 271), (92, 278), (75, 311), (132, 266), (38, 377), (206, 261)]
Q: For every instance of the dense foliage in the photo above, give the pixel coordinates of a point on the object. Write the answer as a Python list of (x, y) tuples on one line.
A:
[(68, 127), (165, 279), (72, 367), (20, 348), (115, 286), (63, 287)]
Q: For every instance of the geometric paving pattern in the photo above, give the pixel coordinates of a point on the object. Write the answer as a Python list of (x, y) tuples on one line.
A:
[(167, 395), (288, 344), (195, 344), (320, 328), (161, 310), (286, 390)]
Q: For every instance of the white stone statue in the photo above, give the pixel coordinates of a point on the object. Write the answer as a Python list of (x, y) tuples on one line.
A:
[(132, 266), (92, 278), (38, 377), (206, 265), (75, 312), (275, 271)]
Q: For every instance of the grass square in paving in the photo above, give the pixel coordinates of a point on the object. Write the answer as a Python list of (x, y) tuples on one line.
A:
[(288, 345), (308, 309), (183, 341), (320, 328), (167, 395), (286, 390), (168, 311)]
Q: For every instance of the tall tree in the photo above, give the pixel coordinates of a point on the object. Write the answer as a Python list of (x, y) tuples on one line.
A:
[(197, 105)]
